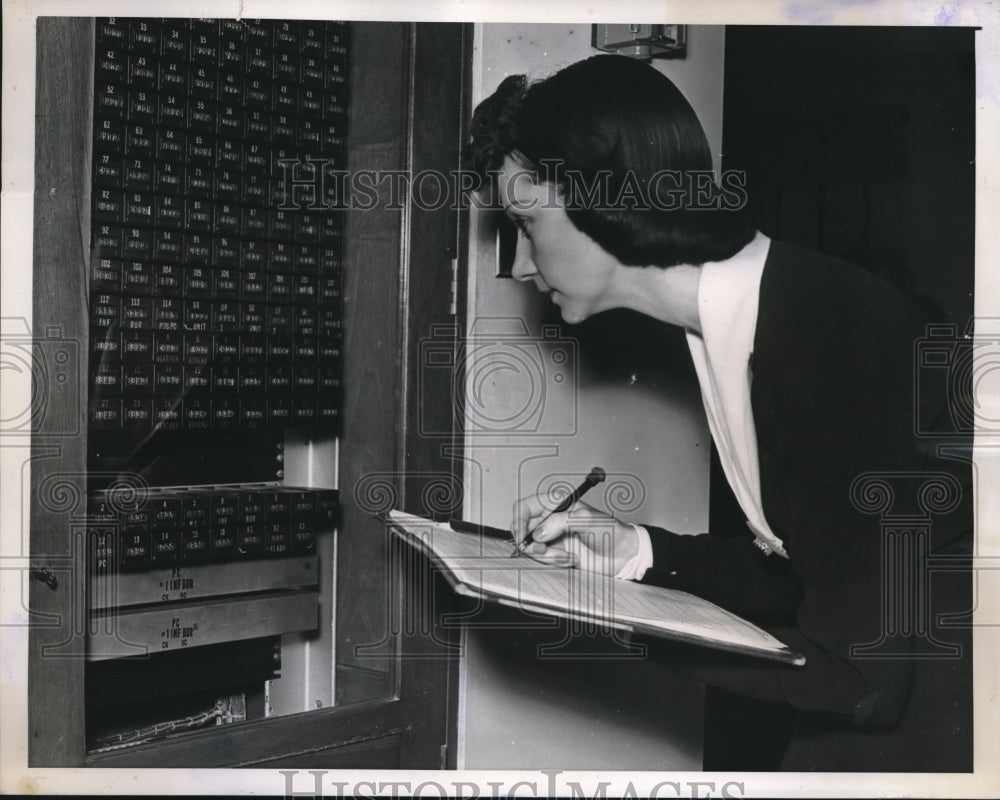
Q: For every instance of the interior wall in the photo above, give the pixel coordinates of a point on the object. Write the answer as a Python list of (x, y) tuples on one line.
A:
[(570, 418), (540, 412)]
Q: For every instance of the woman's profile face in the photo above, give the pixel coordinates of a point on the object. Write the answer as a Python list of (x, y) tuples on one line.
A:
[(561, 260)]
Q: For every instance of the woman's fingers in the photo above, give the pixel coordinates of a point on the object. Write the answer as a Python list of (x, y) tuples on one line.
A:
[(552, 528), (552, 556), (527, 512), (584, 537), (571, 551), (532, 515), (589, 535)]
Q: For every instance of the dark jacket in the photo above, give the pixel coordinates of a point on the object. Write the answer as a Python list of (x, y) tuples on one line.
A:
[(848, 485)]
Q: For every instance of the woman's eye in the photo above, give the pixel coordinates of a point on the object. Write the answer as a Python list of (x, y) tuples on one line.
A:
[(522, 226)]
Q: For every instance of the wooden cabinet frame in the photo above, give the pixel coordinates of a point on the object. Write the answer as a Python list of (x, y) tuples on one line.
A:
[(409, 100)]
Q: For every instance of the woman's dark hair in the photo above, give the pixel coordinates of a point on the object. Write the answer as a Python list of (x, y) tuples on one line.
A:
[(627, 155)]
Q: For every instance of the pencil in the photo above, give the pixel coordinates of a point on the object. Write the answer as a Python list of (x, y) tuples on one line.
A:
[(595, 477)]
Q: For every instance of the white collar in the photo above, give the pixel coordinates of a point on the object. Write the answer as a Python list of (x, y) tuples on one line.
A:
[(728, 294)]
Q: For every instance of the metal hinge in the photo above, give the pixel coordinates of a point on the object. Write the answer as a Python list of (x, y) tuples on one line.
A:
[(453, 295)]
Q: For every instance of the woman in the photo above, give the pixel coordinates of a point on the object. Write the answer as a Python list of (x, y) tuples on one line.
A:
[(805, 364)]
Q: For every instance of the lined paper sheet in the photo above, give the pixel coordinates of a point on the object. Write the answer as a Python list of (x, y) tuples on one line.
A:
[(481, 566)]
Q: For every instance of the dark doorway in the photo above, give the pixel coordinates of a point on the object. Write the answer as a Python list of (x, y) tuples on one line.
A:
[(860, 142)]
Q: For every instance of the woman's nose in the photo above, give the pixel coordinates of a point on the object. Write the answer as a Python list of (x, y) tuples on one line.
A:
[(523, 268)]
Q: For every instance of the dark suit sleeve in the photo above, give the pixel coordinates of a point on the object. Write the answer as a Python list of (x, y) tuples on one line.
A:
[(828, 603), (833, 401), (731, 572)]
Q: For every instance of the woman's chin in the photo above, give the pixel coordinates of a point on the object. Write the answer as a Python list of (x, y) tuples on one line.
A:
[(572, 316)]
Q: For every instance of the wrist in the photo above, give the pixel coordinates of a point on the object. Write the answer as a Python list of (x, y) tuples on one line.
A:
[(626, 544)]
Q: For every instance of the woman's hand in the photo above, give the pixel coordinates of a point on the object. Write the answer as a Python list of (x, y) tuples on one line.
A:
[(582, 537)]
